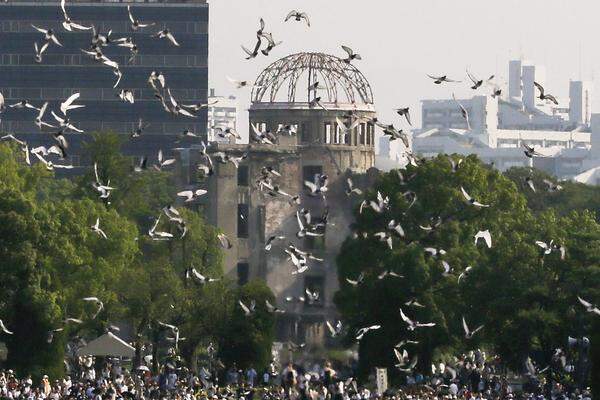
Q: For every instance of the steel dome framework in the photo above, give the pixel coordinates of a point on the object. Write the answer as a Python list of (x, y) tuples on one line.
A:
[(341, 82)]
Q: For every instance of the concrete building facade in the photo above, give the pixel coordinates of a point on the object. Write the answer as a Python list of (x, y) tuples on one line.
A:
[(65, 69), (249, 216)]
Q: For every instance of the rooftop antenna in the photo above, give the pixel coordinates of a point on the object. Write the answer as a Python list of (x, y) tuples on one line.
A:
[(520, 51), (579, 60)]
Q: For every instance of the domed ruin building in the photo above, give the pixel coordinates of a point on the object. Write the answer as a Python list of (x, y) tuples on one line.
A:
[(307, 142)]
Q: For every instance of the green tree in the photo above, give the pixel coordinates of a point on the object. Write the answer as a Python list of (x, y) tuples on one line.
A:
[(572, 197), (523, 300), (137, 196), (247, 340), (200, 311), (50, 260), (595, 357)]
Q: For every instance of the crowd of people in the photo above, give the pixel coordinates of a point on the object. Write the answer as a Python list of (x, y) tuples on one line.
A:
[(470, 378)]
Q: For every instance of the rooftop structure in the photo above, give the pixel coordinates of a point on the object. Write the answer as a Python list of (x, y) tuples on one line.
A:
[(340, 82)]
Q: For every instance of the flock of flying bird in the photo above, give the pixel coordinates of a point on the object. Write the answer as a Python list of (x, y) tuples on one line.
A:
[(158, 82), (476, 83), (267, 181), (63, 124), (96, 51), (393, 229), (318, 187)]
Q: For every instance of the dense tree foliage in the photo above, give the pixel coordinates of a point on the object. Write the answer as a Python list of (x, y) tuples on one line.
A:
[(246, 340), (595, 357), (51, 259), (572, 196), (526, 300)]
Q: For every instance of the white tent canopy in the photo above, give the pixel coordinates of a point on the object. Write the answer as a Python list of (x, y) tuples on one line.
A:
[(590, 177), (107, 345)]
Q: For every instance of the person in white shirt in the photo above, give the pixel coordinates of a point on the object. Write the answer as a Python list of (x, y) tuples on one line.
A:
[(90, 374)]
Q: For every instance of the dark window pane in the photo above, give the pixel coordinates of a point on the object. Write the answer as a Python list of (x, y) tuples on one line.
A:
[(316, 286), (242, 176), (242, 220), (309, 172)]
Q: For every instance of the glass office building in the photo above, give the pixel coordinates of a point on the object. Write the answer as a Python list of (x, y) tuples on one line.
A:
[(66, 70)]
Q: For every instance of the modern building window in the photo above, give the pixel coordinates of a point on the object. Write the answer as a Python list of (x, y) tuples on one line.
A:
[(328, 137), (242, 226), (310, 172), (315, 285), (242, 176), (243, 273), (176, 61)]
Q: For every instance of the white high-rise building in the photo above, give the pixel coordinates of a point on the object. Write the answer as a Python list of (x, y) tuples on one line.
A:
[(500, 126), (580, 102), (482, 110), (529, 75), (222, 114), (595, 139), (391, 154), (514, 79)]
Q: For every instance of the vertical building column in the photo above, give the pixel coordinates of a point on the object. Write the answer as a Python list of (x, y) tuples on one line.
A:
[(514, 79), (595, 136), (528, 79)]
